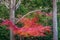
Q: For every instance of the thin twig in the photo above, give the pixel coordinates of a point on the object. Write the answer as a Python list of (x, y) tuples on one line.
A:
[(27, 14), (18, 3)]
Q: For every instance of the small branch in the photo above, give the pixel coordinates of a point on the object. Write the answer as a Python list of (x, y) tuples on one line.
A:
[(30, 13), (6, 3), (27, 14), (18, 3)]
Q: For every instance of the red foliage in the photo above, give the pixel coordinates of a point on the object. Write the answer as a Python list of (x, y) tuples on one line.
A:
[(30, 28)]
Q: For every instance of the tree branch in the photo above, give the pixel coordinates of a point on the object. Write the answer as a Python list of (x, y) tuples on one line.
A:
[(18, 3), (26, 15), (6, 3)]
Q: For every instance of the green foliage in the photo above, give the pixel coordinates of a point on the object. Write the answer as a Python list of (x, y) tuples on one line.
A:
[(4, 12), (29, 5), (4, 34), (58, 6), (58, 26)]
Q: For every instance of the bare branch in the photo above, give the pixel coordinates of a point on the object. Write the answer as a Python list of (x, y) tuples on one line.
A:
[(26, 15), (18, 3), (30, 13), (6, 3)]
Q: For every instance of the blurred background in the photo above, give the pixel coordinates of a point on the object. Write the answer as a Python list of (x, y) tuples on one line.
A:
[(25, 7)]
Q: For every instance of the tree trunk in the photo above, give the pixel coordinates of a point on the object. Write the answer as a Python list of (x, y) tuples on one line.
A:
[(55, 30), (12, 17)]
